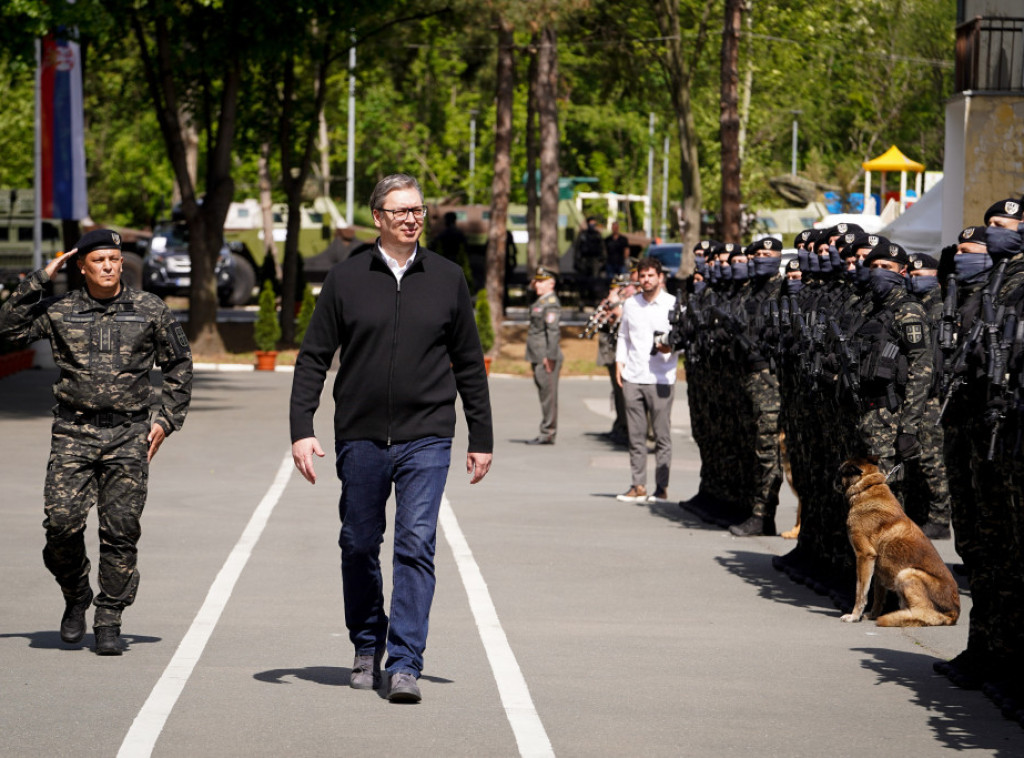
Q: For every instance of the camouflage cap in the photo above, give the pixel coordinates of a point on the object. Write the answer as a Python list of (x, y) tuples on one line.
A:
[(99, 239)]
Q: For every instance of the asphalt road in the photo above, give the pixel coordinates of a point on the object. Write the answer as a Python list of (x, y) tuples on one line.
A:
[(565, 622)]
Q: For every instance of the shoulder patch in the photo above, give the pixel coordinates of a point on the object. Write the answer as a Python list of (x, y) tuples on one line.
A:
[(551, 316), (179, 342), (914, 332)]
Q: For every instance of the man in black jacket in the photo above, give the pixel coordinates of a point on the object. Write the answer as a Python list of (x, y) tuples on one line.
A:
[(403, 319)]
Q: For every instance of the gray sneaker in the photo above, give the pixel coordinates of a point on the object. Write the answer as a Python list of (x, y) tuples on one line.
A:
[(404, 688), (366, 672)]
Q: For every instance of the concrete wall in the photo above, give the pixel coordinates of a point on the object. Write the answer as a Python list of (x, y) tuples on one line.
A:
[(984, 157)]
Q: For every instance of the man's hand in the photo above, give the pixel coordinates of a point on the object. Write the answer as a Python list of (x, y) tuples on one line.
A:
[(302, 453), (477, 464), (156, 438), (549, 365), (618, 373), (56, 264)]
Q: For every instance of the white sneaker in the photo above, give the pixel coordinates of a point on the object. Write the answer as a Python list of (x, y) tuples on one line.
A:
[(635, 494)]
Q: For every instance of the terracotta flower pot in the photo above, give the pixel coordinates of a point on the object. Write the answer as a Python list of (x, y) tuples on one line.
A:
[(266, 360), (487, 364)]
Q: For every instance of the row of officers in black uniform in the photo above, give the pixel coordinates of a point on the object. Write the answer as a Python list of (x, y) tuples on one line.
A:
[(857, 348)]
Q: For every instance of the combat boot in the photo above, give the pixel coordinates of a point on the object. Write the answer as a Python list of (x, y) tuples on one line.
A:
[(755, 526), (108, 640), (72, 623)]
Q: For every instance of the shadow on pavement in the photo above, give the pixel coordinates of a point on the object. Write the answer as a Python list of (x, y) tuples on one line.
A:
[(757, 569), (953, 710), (50, 640), (686, 519), (330, 676)]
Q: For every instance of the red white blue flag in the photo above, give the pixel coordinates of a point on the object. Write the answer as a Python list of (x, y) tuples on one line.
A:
[(60, 169)]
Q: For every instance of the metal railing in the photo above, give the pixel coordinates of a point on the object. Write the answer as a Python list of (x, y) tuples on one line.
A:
[(990, 55)]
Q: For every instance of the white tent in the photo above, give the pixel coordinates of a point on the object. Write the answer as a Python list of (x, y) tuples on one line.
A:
[(919, 229)]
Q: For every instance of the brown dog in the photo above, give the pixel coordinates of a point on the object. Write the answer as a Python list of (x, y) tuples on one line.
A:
[(893, 549)]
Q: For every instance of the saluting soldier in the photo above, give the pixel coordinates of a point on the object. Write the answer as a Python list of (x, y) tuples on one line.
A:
[(896, 361), (544, 352), (105, 339)]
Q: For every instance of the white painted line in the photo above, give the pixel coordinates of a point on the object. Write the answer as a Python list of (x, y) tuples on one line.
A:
[(142, 737), (522, 716)]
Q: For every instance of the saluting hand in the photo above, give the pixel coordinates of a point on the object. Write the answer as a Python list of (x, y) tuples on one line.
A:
[(57, 263), (302, 453)]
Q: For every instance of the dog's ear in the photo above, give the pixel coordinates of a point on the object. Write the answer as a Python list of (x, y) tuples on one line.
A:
[(849, 469)]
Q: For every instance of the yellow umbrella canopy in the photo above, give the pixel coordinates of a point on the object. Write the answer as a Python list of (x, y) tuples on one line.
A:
[(892, 160)]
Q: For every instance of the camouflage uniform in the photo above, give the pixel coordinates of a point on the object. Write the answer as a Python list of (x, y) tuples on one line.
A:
[(105, 351), (542, 341)]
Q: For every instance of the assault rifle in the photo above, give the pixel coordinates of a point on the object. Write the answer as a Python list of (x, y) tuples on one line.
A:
[(999, 383), (849, 367)]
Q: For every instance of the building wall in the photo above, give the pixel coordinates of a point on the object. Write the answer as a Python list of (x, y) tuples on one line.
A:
[(984, 157)]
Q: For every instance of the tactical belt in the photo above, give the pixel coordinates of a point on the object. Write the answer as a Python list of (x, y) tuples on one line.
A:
[(105, 419), (889, 401)]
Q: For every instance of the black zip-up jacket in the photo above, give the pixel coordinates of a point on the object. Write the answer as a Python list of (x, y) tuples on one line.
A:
[(405, 350)]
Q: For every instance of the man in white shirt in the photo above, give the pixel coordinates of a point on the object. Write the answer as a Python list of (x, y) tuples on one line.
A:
[(646, 371)]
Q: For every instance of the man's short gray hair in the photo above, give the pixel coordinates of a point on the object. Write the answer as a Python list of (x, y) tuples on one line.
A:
[(390, 184)]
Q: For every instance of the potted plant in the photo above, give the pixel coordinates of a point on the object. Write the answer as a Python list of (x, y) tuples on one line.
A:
[(484, 327), (267, 330)]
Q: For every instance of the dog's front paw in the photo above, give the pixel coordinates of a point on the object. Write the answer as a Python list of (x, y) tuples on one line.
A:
[(850, 618)]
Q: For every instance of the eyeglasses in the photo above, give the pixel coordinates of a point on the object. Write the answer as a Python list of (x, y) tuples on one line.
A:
[(401, 214)]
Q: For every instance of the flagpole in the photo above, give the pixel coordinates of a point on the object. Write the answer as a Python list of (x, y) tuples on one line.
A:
[(37, 190)]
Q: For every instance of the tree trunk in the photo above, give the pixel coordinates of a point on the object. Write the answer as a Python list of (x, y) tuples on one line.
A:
[(679, 75), (501, 184), (547, 101), (205, 221), (729, 122), (267, 207), (533, 245)]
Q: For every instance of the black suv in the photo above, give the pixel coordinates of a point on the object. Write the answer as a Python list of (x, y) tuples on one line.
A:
[(167, 269)]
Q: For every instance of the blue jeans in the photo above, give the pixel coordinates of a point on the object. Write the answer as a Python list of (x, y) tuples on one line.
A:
[(367, 470)]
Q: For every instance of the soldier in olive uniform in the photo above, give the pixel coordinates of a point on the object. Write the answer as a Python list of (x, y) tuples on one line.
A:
[(544, 352), (105, 339)]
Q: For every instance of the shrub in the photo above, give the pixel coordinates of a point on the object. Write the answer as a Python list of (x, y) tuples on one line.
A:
[(483, 321), (305, 314), (267, 330)]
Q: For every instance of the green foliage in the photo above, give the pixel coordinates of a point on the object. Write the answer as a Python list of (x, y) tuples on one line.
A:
[(267, 330), (483, 321), (305, 314)]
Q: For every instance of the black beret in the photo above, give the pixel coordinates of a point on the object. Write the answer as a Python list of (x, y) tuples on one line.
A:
[(99, 239), (704, 246), (1010, 208), (765, 243), (844, 228), (792, 265), (922, 260), (862, 241), (976, 234), (888, 251), (803, 237), (845, 241), (733, 249)]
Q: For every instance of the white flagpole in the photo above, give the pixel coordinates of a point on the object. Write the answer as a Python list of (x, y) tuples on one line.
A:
[(37, 222)]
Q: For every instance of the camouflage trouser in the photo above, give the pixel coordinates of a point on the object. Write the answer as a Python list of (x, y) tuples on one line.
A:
[(762, 391), (876, 430), (926, 486), (88, 466)]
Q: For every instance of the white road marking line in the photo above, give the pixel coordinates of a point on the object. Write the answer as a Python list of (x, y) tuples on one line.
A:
[(515, 695), (145, 730)]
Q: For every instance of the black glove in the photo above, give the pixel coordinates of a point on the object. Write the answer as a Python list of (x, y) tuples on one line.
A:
[(907, 446)]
